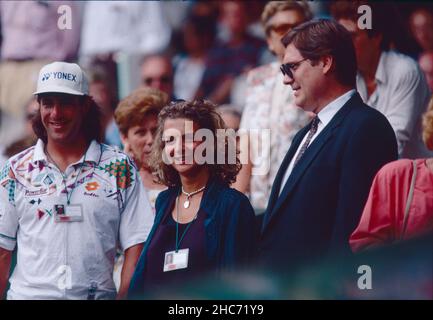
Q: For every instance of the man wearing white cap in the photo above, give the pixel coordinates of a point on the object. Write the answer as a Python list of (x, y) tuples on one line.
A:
[(68, 201)]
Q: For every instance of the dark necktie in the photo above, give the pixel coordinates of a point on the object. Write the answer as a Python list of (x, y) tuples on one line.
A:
[(311, 133)]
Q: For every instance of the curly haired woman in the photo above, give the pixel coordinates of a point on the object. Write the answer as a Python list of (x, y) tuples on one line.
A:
[(202, 226)]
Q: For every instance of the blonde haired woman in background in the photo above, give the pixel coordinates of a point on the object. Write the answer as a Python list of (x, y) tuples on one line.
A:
[(137, 119)]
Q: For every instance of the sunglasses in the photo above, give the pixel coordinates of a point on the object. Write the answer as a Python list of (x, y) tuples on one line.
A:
[(149, 80), (280, 29), (287, 68)]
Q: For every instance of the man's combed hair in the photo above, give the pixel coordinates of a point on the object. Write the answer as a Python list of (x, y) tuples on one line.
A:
[(91, 125), (317, 38), (204, 114), (427, 133), (383, 13)]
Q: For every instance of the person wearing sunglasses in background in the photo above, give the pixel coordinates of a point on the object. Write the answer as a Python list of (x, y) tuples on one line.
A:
[(157, 73), (270, 104)]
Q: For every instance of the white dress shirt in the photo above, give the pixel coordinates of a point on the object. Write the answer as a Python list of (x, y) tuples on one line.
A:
[(325, 116), (401, 95)]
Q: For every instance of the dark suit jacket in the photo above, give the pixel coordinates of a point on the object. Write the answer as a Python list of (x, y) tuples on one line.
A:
[(324, 196)]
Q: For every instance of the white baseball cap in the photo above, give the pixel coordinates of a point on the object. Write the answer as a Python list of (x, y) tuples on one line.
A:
[(62, 77)]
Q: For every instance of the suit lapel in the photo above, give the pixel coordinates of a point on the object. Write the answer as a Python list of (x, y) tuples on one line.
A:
[(276, 201), (283, 167)]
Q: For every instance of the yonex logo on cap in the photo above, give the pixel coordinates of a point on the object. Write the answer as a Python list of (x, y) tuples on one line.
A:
[(46, 76), (60, 75)]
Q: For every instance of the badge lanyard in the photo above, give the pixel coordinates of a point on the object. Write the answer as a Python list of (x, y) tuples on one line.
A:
[(177, 225), (69, 195)]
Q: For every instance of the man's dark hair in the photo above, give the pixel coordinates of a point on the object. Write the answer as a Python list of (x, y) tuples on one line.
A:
[(91, 125), (383, 15), (317, 38)]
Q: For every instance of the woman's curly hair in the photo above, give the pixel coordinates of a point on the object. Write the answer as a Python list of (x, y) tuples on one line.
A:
[(427, 124), (203, 113)]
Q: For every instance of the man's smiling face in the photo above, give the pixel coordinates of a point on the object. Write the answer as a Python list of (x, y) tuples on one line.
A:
[(62, 116)]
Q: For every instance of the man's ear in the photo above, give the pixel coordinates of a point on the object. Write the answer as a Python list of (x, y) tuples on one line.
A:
[(327, 62)]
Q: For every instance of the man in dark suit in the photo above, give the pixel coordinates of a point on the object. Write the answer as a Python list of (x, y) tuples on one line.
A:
[(323, 182)]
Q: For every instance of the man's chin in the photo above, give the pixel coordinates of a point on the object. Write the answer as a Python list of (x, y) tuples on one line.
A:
[(62, 139), (301, 104)]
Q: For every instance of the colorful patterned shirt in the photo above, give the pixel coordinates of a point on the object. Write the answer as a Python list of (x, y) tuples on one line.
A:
[(269, 106), (70, 260)]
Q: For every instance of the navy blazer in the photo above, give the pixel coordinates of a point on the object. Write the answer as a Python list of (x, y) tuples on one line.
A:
[(231, 233), (323, 198)]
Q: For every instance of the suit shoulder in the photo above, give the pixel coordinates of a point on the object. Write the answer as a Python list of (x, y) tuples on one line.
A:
[(364, 123), (363, 113)]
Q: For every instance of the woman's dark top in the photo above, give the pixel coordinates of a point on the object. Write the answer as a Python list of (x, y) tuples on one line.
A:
[(164, 240), (230, 235)]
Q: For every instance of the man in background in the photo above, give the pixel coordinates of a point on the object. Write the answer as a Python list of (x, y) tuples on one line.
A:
[(387, 80)]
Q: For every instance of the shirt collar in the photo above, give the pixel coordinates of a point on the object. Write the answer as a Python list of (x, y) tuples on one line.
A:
[(93, 153), (380, 71), (39, 152), (329, 111)]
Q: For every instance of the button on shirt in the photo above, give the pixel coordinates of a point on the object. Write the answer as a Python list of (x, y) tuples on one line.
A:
[(325, 116), (63, 260)]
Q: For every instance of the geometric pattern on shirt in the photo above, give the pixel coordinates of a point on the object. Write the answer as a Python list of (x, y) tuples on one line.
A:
[(75, 184), (49, 179), (117, 195), (4, 173), (92, 186), (9, 185), (122, 170), (40, 213), (33, 201)]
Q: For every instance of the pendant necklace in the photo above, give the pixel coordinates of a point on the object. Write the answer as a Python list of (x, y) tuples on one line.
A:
[(186, 203)]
